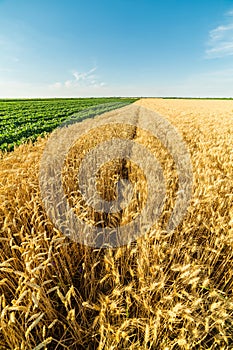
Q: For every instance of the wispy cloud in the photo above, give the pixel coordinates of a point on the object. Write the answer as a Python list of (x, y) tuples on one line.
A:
[(81, 80), (86, 76), (220, 42)]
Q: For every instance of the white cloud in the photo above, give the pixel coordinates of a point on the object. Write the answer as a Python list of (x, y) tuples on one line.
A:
[(220, 32), (80, 81), (86, 76), (220, 42)]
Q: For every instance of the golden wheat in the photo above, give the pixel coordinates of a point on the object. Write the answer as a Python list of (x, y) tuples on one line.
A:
[(167, 291)]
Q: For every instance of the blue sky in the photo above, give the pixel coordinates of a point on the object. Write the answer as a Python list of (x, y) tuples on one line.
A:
[(116, 48)]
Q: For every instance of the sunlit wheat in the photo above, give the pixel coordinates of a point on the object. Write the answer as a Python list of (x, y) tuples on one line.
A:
[(165, 291)]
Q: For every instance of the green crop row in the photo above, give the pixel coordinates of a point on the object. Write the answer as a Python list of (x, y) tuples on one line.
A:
[(23, 120)]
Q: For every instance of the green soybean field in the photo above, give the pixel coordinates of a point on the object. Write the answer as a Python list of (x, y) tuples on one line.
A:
[(24, 120)]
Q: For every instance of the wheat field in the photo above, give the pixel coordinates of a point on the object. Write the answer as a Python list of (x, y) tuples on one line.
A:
[(165, 291)]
